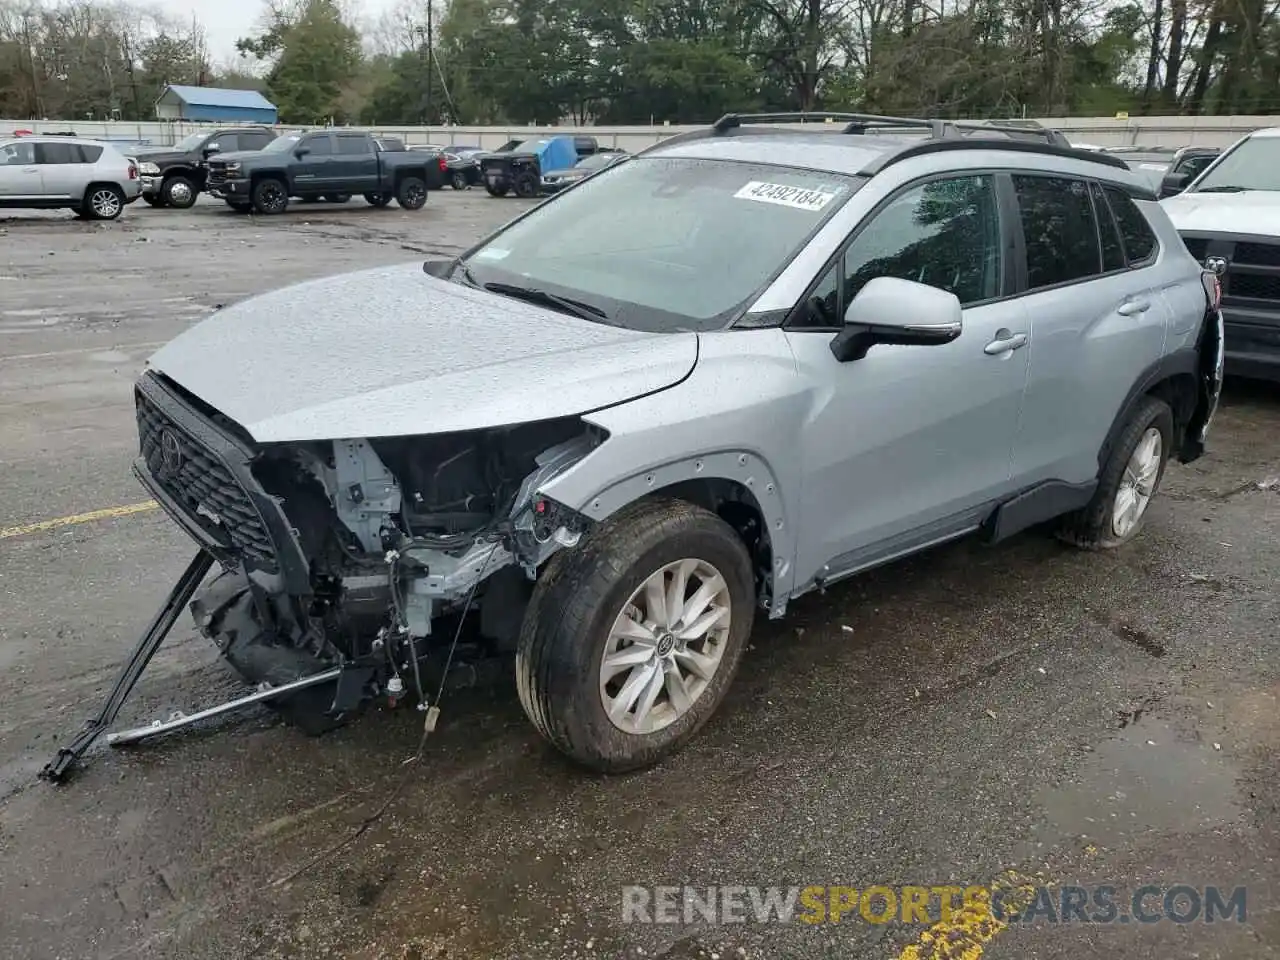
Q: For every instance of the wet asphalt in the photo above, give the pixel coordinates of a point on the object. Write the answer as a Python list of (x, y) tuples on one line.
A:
[(1075, 718)]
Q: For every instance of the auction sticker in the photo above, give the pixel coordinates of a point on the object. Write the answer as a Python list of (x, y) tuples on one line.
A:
[(802, 198)]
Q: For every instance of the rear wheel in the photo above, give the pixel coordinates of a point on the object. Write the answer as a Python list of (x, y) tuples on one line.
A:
[(336, 197), (527, 186), (239, 206), (103, 201), (269, 197), (377, 199), (178, 192), (1127, 482), (411, 193), (499, 189), (631, 640), (458, 180)]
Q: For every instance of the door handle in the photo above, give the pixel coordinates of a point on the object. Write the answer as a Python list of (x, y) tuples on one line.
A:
[(1131, 307), (1005, 342)]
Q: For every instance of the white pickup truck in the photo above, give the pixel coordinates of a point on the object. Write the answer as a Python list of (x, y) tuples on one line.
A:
[(1229, 218)]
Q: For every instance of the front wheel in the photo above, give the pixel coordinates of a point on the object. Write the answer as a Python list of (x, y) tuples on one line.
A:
[(497, 188), (270, 196), (631, 639), (1127, 482), (411, 193), (527, 186), (179, 192), (377, 199)]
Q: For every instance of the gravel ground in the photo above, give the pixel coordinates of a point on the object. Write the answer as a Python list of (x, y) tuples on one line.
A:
[(1091, 719)]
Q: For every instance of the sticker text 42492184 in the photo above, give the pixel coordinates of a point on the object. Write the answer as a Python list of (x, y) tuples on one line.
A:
[(802, 198)]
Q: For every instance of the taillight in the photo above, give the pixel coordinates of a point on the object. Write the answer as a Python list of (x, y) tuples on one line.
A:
[(133, 172), (443, 165)]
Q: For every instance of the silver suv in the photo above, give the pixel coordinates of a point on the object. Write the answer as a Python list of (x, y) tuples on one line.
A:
[(734, 368), (86, 176)]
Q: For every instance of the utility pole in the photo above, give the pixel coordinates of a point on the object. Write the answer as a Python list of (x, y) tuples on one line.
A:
[(431, 57)]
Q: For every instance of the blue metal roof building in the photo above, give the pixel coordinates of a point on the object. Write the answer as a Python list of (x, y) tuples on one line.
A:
[(214, 104)]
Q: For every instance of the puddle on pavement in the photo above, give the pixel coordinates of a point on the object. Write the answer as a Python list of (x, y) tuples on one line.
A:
[(1148, 778)]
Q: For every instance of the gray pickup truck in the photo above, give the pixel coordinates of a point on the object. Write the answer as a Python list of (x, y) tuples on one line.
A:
[(330, 164)]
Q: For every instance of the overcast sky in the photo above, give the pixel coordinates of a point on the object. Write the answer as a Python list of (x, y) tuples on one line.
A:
[(226, 21)]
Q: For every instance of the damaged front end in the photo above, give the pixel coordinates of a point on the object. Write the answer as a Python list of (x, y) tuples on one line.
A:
[(354, 552)]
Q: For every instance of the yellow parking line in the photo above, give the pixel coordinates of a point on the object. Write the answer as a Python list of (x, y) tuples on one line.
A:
[(107, 514), (966, 933)]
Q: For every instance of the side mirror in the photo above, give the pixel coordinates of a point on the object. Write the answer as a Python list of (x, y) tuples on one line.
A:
[(1173, 184), (440, 269), (211, 149), (894, 311)]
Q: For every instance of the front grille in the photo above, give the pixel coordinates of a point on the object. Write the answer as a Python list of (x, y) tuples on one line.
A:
[(201, 485), (217, 172), (1252, 279)]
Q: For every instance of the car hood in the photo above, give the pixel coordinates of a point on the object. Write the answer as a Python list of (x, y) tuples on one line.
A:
[(156, 154), (235, 155), (395, 352), (1254, 211)]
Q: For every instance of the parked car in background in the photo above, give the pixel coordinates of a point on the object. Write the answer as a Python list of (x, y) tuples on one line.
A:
[(437, 164), (462, 166), (1187, 164), (1229, 218), (328, 164), (390, 144), (554, 181), (175, 176), (521, 169), (89, 177), (1150, 163)]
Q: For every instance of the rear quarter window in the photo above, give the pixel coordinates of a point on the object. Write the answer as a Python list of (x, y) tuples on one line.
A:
[(1135, 232), (89, 154)]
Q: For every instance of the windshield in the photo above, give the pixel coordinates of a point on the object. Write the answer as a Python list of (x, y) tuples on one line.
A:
[(1254, 164), (664, 244), (189, 142), (282, 143)]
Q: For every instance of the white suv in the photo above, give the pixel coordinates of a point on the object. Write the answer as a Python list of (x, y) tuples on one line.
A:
[(86, 176)]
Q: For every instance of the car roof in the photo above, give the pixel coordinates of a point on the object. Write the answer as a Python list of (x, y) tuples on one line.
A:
[(853, 150), (1267, 132), (45, 138)]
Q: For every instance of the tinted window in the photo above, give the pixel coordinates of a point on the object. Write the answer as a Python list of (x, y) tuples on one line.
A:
[(945, 234), (57, 153), (16, 154), (1193, 166), (89, 154), (352, 146), (1139, 239), (1112, 251), (1059, 228), (227, 142), (254, 141), (319, 146)]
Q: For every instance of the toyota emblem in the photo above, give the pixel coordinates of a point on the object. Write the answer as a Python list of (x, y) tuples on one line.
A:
[(1216, 265), (170, 451)]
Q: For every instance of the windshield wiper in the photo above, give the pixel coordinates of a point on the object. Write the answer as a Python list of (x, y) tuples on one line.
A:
[(575, 307), (1223, 189)]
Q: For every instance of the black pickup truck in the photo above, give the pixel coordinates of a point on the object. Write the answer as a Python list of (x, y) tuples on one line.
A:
[(325, 164), (175, 176)]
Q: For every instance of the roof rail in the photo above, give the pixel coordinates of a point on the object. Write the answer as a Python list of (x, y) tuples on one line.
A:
[(855, 122), (995, 143)]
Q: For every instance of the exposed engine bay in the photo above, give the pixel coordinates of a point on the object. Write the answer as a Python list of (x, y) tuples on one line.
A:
[(357, 552)]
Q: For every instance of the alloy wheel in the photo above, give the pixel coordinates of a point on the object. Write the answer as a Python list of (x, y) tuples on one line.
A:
[(1138, 483), (105, 203)]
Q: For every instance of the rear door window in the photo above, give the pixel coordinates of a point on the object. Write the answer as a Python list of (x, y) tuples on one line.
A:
[(353, 145), (1059, 228), (1112, 249), (57, 153)]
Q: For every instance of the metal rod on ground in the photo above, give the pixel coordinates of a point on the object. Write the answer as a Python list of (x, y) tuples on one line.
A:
[(183, 720)]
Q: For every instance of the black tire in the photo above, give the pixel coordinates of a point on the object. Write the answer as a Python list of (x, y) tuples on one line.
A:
[(336, 197), (179, 192), (1094, 527), (308, 199), (377, 199), (458, 180), (102, 201), (527, 186), (411, 193), (568, 621), (270, 197), (239, 206), (499, 189), (152, 200)]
